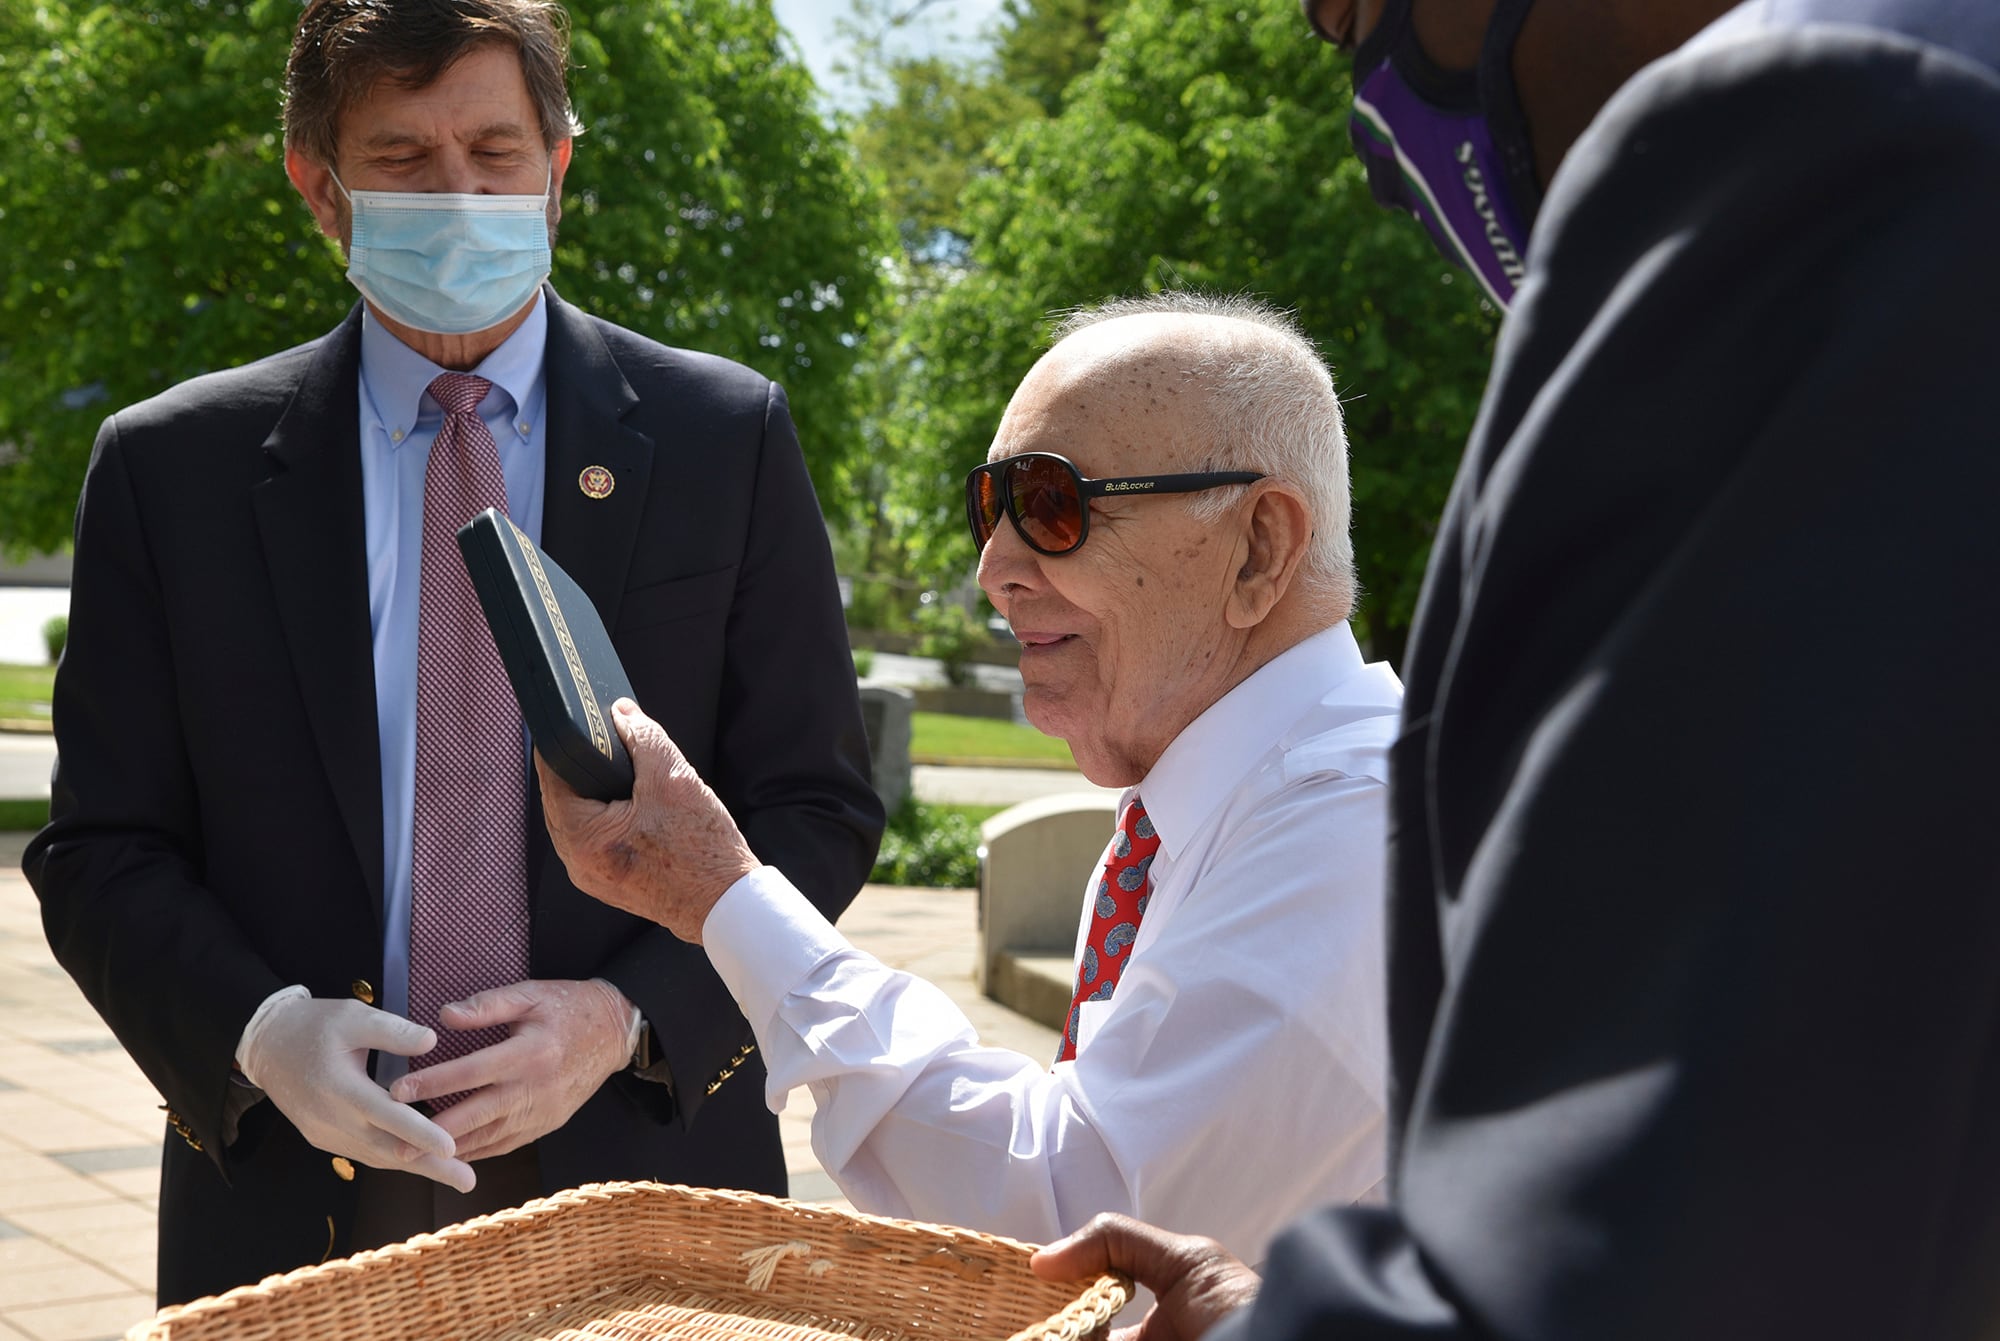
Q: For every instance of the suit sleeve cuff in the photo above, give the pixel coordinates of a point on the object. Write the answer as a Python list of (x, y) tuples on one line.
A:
[(764, 937)]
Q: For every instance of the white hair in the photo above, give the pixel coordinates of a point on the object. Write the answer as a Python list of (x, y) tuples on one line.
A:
[(1273, 409)]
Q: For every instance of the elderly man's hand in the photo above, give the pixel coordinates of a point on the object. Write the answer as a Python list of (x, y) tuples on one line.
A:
[(564, 1039), (668, 853), (1195, 1282)]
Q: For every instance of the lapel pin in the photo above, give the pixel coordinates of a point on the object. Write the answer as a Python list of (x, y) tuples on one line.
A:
[(596, 482)]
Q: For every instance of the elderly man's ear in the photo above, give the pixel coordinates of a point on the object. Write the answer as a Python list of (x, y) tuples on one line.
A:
[(1271, 545)]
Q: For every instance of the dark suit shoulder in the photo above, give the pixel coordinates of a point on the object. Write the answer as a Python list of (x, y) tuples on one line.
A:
[(641, 358), (1760, 175), (1970, 27), (251, 392), (1809, 94)]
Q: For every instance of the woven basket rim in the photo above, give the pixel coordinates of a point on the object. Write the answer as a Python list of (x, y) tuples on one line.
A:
[(1087, 1313)]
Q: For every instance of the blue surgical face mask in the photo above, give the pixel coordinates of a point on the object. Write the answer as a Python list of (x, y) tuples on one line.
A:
[(444, 263), (1451, 147)]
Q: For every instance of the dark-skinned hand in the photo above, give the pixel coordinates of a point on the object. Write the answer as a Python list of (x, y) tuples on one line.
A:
[(1195, 1282)]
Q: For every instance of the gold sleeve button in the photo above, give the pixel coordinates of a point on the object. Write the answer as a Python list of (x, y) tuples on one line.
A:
[(742, 1056), (363, 991), (181, 1128), (342, 1169)]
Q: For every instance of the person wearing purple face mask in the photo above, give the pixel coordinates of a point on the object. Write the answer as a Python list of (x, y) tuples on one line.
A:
[(1694, 1025)]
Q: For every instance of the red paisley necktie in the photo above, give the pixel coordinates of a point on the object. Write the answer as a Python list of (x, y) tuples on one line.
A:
[(1121, 899)]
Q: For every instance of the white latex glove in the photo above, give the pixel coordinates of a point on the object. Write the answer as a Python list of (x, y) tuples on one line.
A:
[(310, 1057), (566, 1038)]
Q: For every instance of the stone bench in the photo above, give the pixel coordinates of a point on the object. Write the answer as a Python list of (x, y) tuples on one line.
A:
[(1034, 860)]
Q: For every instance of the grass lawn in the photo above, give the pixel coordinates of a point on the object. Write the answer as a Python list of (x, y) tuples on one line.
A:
[(24, 691), (974, 815), (936, 736), (23, 816)]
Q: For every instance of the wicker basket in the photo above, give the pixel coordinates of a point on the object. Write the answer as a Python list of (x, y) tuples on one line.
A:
[(646, 1262)]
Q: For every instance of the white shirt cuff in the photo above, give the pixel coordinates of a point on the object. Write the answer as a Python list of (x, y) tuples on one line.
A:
[(764, 938)]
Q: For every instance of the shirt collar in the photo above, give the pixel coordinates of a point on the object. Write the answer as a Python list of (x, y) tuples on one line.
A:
[(395, 377), (1211, 756)]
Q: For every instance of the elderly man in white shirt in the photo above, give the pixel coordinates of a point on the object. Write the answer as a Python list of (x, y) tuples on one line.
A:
[(1222, 1067)]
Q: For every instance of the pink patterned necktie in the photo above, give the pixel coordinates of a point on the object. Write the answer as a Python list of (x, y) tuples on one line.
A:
[(468, 868), (1122, 895)]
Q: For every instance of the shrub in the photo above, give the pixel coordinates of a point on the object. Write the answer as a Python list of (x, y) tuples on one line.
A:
[(947, 632), (869, 608), (55, 633), (928, 845), (864, 662)]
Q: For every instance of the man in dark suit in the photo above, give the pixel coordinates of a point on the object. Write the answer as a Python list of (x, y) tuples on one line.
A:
[(1695, 1024), (294, 805)]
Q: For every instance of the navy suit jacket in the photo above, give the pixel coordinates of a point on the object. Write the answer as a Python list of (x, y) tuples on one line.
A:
[(1695, 875), (216, 826)]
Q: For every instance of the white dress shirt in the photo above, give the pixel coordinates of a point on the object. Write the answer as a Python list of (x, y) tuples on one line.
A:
[(1235, 1078)]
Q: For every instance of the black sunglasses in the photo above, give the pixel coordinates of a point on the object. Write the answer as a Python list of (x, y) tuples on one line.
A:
[(1048, 499)]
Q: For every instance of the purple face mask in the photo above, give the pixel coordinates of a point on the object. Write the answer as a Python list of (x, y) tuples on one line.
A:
[(1450, 147)]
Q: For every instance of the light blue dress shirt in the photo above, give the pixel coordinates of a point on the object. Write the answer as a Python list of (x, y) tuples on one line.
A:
[(399, 420)]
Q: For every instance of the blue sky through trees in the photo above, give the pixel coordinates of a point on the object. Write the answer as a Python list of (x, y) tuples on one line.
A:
[(937, 26)]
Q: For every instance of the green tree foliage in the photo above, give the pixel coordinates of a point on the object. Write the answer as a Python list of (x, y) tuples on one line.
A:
[(151, 233), (928, 143), (1045, 44), (716, 208), (926, 138), (1206, 148), (927, 133)]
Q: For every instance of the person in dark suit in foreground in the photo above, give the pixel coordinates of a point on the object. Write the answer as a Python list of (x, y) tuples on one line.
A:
[(1695, 1028), (293, 821)]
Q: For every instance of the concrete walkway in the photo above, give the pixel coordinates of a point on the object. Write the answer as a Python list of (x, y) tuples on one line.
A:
[(80, 1128), (953, 785), (25, 761)]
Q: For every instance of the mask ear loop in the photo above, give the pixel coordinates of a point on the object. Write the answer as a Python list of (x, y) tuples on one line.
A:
[(1447, 90), (1501, 103), (1381, 44)]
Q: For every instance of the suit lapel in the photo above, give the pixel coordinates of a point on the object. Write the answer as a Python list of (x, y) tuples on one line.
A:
[(310, 515), (592, 538)]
